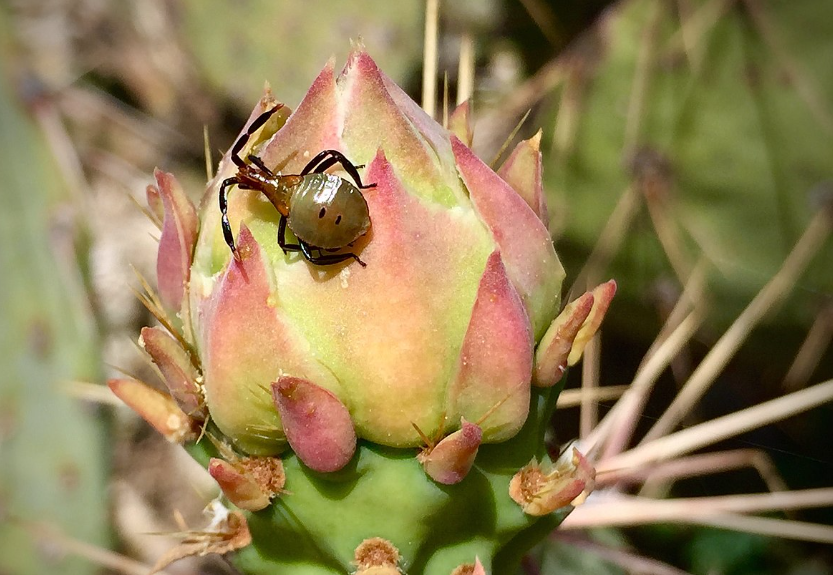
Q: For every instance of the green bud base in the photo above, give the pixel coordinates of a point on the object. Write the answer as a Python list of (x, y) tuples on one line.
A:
[(315, 526)]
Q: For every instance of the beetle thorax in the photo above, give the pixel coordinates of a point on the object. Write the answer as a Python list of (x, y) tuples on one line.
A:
[(327, 211)]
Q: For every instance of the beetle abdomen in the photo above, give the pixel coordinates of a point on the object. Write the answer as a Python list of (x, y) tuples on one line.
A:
[(327, 212)]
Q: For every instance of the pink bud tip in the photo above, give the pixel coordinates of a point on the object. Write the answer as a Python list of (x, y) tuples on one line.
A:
[(317, 425), (452, 458), (602, 296), (459, 123), (554, 349)]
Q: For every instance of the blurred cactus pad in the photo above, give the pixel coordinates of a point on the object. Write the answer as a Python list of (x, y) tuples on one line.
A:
[(53, 475), (711, 124), (385, 413)]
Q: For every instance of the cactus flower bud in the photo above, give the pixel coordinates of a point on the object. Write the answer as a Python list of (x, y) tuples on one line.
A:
[(341, 361)]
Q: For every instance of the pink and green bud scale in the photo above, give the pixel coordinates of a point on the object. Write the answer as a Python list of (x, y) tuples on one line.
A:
[(399, 398)]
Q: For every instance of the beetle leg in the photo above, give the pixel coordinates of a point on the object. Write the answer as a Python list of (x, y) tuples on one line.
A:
[(313, 163), (253, 127), (327, 259), (259, 163), (282, 238), (328, 158), (229, 237)]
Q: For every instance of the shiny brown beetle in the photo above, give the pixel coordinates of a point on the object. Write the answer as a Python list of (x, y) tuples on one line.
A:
[(325, 212)]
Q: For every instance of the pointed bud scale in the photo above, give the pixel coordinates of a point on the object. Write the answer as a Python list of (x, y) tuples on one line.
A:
[(376, 556), (495, 365), (310, 129), (459, 123), (176, 245), (179, 373), (158, 409), (246, 342), (451, 459), (475, 568), (375, 122), (602, 297), (426, 126), (522, 170), (524, 242), (155, 204), (541, 491), (316, 423), (250, 483), (551, 355)]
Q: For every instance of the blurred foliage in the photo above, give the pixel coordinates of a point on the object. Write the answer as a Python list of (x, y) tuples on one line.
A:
[(734, 123), (720, 115), (287, 43), (53, 472)]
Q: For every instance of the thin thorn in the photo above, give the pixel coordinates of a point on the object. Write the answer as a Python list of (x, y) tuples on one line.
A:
[(715, 430), (209, 164), (509, 139)]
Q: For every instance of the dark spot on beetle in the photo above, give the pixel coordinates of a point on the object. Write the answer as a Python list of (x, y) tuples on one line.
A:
[(338, 219), (321, 213)]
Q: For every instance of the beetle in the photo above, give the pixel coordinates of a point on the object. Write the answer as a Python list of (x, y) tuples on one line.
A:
[(326, 213)]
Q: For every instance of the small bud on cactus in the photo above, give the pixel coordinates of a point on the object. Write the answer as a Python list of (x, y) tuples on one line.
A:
[(250, 483), (542, 488), (341, 362), (451, 459), (158, 409)]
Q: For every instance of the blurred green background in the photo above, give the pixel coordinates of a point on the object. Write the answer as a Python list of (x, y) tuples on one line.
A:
[(713, 119)]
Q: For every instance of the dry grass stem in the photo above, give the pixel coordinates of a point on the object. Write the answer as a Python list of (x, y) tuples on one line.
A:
[(616, 429), (811, 351), (716, 430), (429, 59), (698, 465), (88, 391), (772, 294), (590, 368), (620, 510), (669, 238), (574, 397), (692, 297), (465, 68), (783, 528)]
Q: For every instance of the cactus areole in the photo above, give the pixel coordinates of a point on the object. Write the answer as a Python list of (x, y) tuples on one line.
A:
[(368, 419)]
